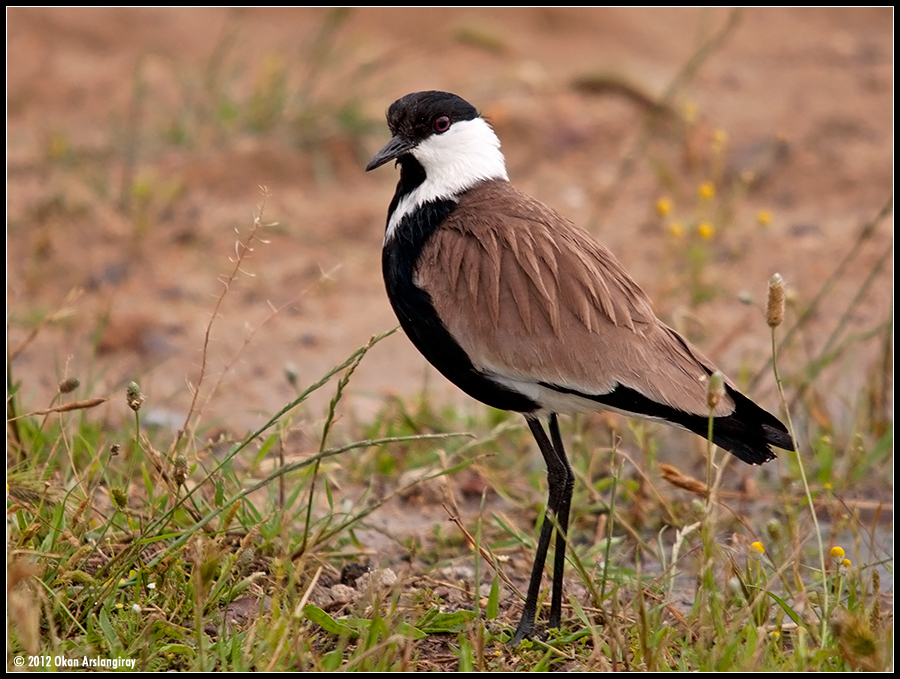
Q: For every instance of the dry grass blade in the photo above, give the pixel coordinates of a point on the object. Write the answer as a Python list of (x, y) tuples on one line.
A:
[(242, 250), (485, 553), (66, 407), (62, 312)]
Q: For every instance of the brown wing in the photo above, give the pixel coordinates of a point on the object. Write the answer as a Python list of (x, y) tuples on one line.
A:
[(532, 298)]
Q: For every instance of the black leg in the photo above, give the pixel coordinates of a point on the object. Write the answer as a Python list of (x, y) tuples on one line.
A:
[(561, 481), (562, 521)]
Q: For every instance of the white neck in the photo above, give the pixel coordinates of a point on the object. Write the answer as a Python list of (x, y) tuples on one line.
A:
[(467, 153)]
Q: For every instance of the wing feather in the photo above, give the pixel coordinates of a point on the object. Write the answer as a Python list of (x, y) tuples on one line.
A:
[(545, 304)]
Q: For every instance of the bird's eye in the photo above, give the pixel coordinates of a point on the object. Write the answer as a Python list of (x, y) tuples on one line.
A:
[(441, 124)]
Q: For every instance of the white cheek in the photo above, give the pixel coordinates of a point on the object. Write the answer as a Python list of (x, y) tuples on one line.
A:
[(465, 154)]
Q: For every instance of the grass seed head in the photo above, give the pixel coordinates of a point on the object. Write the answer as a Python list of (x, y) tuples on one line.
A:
[(133, 396), (180, 470), (119, 497), (69, 385), (715, 389), (775, 304)]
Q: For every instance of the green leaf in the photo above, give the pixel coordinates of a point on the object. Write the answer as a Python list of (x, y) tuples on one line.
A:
[(327, 623), (493, 604), (332, 660), (787, 609), (328, 495), (148, 482), (181, 649), (110, 636), (466, 655), (426, 619), (408, 630), (517, 535), (264, 449), (56, 527), (444, 623)]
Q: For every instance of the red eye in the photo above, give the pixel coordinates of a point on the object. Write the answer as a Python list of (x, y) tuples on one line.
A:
[(441, 124)]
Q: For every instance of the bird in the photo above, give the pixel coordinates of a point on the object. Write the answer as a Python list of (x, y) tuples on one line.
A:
[(525, 311)]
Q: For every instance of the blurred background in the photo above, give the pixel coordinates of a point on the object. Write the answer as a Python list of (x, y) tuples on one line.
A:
[(707, 148)]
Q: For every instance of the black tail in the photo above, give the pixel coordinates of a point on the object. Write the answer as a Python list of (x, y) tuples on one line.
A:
[(748, 433)]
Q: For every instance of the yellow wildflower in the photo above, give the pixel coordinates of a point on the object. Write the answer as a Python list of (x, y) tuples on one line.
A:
[(663, 206), (690, 111), (719, 139), (837, 553), (757, 547), (707, 191), (706, 230)]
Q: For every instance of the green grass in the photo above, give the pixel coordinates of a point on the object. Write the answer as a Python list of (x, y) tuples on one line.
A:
[(185, 550)]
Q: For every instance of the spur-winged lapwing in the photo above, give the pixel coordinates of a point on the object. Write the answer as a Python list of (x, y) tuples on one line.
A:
[(524, 311)]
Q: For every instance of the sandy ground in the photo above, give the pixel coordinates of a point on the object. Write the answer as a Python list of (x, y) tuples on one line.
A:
[(137, 140)]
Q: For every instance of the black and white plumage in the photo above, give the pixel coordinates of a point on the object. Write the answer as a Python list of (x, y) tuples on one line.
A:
[(524, 311)]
